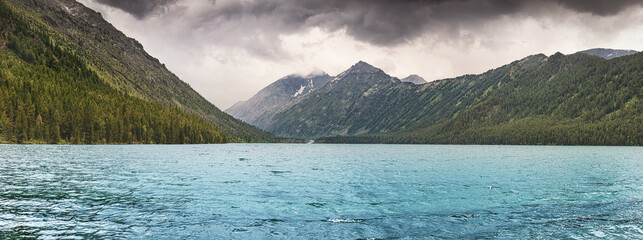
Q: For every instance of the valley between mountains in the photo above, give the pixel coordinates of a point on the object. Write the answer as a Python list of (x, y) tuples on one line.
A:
[(68, 76)]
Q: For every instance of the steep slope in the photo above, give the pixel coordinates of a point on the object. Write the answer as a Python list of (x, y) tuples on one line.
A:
[(415, 79), (276, 94), (608, 53), (47, 94), (576, 99), (123, 64)]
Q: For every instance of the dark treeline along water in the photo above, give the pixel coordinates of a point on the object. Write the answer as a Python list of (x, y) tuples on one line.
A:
[(319, 191)]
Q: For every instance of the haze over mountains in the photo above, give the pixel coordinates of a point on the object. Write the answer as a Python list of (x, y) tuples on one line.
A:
[(558, 99)]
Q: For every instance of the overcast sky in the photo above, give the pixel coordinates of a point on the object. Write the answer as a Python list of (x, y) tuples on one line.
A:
[(228, 50)]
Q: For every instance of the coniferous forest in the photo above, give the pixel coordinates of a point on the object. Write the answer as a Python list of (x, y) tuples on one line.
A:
[(49, 95)]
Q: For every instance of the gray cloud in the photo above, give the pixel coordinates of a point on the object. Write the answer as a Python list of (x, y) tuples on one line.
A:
[(380, 22), (139, 8)]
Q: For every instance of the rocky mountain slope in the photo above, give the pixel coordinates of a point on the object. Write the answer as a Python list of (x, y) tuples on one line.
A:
[(275, 94)]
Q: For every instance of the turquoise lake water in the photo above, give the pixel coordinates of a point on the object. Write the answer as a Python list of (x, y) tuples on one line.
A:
[(318, 191)]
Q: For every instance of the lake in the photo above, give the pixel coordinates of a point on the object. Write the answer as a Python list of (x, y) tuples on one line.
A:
[(319, 191)]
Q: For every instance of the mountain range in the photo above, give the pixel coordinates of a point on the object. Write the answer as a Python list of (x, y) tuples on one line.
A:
[(558, 99)]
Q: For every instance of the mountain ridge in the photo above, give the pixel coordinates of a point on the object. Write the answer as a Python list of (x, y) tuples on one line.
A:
[(608, 53), (370, 107)]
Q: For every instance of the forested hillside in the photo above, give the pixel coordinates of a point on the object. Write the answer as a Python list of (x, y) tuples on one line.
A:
[(570, 100), (48, 95), (123, 64), (561, 100)]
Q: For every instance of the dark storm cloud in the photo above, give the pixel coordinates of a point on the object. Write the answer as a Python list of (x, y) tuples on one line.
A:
[(138, 8), (390, 22), (380, 22), (600, 7)]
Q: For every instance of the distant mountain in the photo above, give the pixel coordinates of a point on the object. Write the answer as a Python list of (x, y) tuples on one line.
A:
[(558, 99), (336, 108), (38, 34), (276, 94), (415, 79), (608, 53)]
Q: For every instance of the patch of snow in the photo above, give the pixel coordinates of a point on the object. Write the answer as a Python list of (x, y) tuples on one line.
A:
[(300, 91)]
